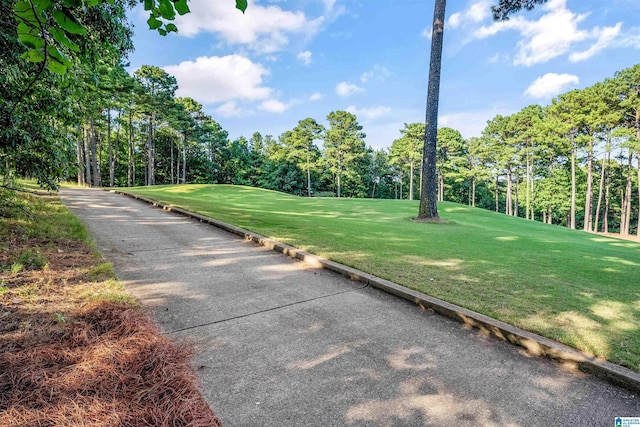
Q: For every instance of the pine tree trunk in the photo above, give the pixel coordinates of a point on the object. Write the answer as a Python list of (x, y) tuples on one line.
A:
[(625, 216), (171, 165), (80, 155), (516, 210), (572, 223), (309, 175), (428, 200), (150, 154), (184, 160), (508, 207), (532, 216), (94, 156), (411, 180), (605, 216), (473, 191), (87, 156), (638, 227), (109, 148), (114, 165), (596, 221), (130, 159), (527, 195), (340, 174), (589, 193), (496, 196)]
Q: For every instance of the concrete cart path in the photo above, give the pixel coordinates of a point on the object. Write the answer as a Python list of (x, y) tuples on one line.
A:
[(279, 343)]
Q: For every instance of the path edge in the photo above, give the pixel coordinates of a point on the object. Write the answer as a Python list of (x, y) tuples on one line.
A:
[(533, 344)]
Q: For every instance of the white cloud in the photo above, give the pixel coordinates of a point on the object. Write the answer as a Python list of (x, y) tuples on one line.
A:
[(550, 84), (368, 114), (273, 106), (347, 89), (264, 29), (477, 12), (378, 73), (454, 20), (228, 109), (304, 57), (316, 96), (552, 35), (428, 33), (605, 37), (220, 79)]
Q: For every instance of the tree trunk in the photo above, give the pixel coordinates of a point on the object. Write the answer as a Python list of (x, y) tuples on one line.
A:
[(527, 194), (94, 156), (171, 165), (80, 155), (508, 207), (339, 175), (428, 202), (87, 156), (114, 165), (596, 221), (638, 229), (625, 215), (309, 175), (130, 158), (411, 180), (572, 223), (588, 201), (109, 148), (150, 156), (497, 196), (532, 216), (605, 216), (184, 160), (473, 191), (516, 206)]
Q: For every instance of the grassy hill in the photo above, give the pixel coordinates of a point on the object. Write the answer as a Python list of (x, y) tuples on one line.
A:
[(578, 288)]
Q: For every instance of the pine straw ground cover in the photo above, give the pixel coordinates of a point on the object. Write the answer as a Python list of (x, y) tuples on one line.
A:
[(75, 349)]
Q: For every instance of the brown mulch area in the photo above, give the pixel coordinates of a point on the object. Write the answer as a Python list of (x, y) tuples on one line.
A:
[(69, 359)]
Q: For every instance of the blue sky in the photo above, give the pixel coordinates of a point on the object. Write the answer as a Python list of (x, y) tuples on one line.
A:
[(285, 60)]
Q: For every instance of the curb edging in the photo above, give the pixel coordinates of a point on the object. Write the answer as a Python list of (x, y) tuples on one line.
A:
[(534, 344)]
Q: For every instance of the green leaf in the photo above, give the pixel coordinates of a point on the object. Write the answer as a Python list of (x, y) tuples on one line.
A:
[(171, 28), (55, 53), (149, 4), (166, 10), (33, 55), (92, 3), (24, 12), (68, 22), (29, 36), (241, 5), (71, 3), (42, 5), (181, 7), (61, 37), (56, 66), (154, 23), (162, 31)]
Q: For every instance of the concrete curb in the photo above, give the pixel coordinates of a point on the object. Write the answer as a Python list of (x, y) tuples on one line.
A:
[(534, 344)]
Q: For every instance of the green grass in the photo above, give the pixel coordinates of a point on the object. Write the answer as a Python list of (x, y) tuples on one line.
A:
[(577, 288)]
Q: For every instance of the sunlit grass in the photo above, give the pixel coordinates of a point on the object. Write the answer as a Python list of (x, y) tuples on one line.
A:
[(578, 288)]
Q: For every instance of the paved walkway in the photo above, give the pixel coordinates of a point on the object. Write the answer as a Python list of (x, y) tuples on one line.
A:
[(281, 344)]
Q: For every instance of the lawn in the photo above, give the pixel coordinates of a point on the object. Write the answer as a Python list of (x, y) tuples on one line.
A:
[(577, 288)]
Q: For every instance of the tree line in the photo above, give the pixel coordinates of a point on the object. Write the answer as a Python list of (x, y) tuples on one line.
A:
[(573, 162)]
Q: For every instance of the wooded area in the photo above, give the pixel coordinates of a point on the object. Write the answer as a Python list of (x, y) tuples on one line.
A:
[(573, 162)]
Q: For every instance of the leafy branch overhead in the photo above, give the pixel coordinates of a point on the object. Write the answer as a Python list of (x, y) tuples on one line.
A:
[(50, 30)]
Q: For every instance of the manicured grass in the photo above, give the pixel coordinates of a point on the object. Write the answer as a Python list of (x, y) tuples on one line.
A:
[(577, 288)]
